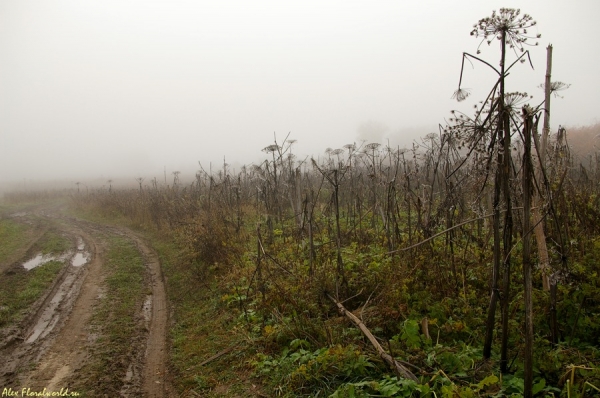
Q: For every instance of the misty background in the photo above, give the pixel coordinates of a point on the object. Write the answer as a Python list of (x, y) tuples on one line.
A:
[(102, 90)]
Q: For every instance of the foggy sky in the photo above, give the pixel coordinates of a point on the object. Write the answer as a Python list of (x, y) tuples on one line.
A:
[(107, 89)]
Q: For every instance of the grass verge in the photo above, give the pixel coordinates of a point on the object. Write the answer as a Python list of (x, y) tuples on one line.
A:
[(209, 346)]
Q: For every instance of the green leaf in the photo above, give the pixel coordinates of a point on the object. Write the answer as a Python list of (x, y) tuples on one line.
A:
[(351, 391), (539, 386), (410, 334), (487, 382), (424, 389)]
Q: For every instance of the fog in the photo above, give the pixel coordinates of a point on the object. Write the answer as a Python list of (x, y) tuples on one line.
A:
[(102, 90)]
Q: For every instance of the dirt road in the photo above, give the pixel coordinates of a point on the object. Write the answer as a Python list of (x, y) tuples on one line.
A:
[(52, 343)]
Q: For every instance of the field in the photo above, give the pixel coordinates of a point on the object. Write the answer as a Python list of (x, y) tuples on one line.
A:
[(464, 266), (265, 270)]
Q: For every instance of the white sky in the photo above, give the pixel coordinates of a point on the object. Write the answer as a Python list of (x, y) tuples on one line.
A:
[(103, 89)]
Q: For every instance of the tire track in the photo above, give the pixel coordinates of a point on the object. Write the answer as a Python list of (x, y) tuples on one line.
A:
[(155, 378), (67, 352), (52, 360)]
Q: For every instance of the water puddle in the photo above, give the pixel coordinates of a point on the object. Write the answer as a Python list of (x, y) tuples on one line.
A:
[(81, 257), (147, 308), (42, 259), (50, 316), (36, 261), (80, 244), (19, 214)]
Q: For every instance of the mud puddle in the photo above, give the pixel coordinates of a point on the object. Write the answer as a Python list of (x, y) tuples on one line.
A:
[(50, 316), (79, 258), (147, 309), (42, 259), (19, 214)]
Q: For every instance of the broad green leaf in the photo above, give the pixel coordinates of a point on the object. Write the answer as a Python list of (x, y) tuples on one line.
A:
[(487, 382), (539, 386), (410, 335)]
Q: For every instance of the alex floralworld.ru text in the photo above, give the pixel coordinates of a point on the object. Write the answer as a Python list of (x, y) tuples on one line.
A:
[(28, 392)]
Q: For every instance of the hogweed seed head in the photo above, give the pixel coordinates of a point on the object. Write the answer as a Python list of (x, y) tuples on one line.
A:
[(461, 94), (507, 23)]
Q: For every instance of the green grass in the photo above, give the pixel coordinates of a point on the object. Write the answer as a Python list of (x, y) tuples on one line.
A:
[(204, 325), (6, 209), (115, 320), (21, 288), (54, 243), (14, 236)]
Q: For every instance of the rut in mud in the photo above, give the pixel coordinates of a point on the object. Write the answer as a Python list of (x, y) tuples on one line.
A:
[(51, 344)]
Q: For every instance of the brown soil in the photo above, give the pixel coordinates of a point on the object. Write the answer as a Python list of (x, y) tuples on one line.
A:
[(51, 343)]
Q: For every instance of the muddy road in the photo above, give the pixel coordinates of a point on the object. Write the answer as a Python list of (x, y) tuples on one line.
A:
[(48, 347)]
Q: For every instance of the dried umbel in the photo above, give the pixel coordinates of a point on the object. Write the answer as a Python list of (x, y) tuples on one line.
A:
[(514, 101), (372, 146), (469, 133), (507, 23), (511, 28), (461, 94), (272, 148), (555, 87), (350, 147)]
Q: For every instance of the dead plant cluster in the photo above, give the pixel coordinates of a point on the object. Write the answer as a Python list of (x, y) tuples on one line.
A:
[(421, 243)]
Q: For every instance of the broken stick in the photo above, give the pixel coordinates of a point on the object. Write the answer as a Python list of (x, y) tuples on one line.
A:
[(387, 358)]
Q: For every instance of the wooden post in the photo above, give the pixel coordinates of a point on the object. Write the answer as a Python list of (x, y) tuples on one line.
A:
[(540, 235)]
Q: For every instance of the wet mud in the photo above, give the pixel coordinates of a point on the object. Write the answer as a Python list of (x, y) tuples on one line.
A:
[(52, 342)]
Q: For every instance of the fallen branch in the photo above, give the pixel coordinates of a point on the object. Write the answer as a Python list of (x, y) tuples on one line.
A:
[(387, 358), (220, 354)]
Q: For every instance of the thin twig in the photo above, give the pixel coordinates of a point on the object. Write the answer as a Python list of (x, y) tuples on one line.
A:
[(441, 233), (219, 354)]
